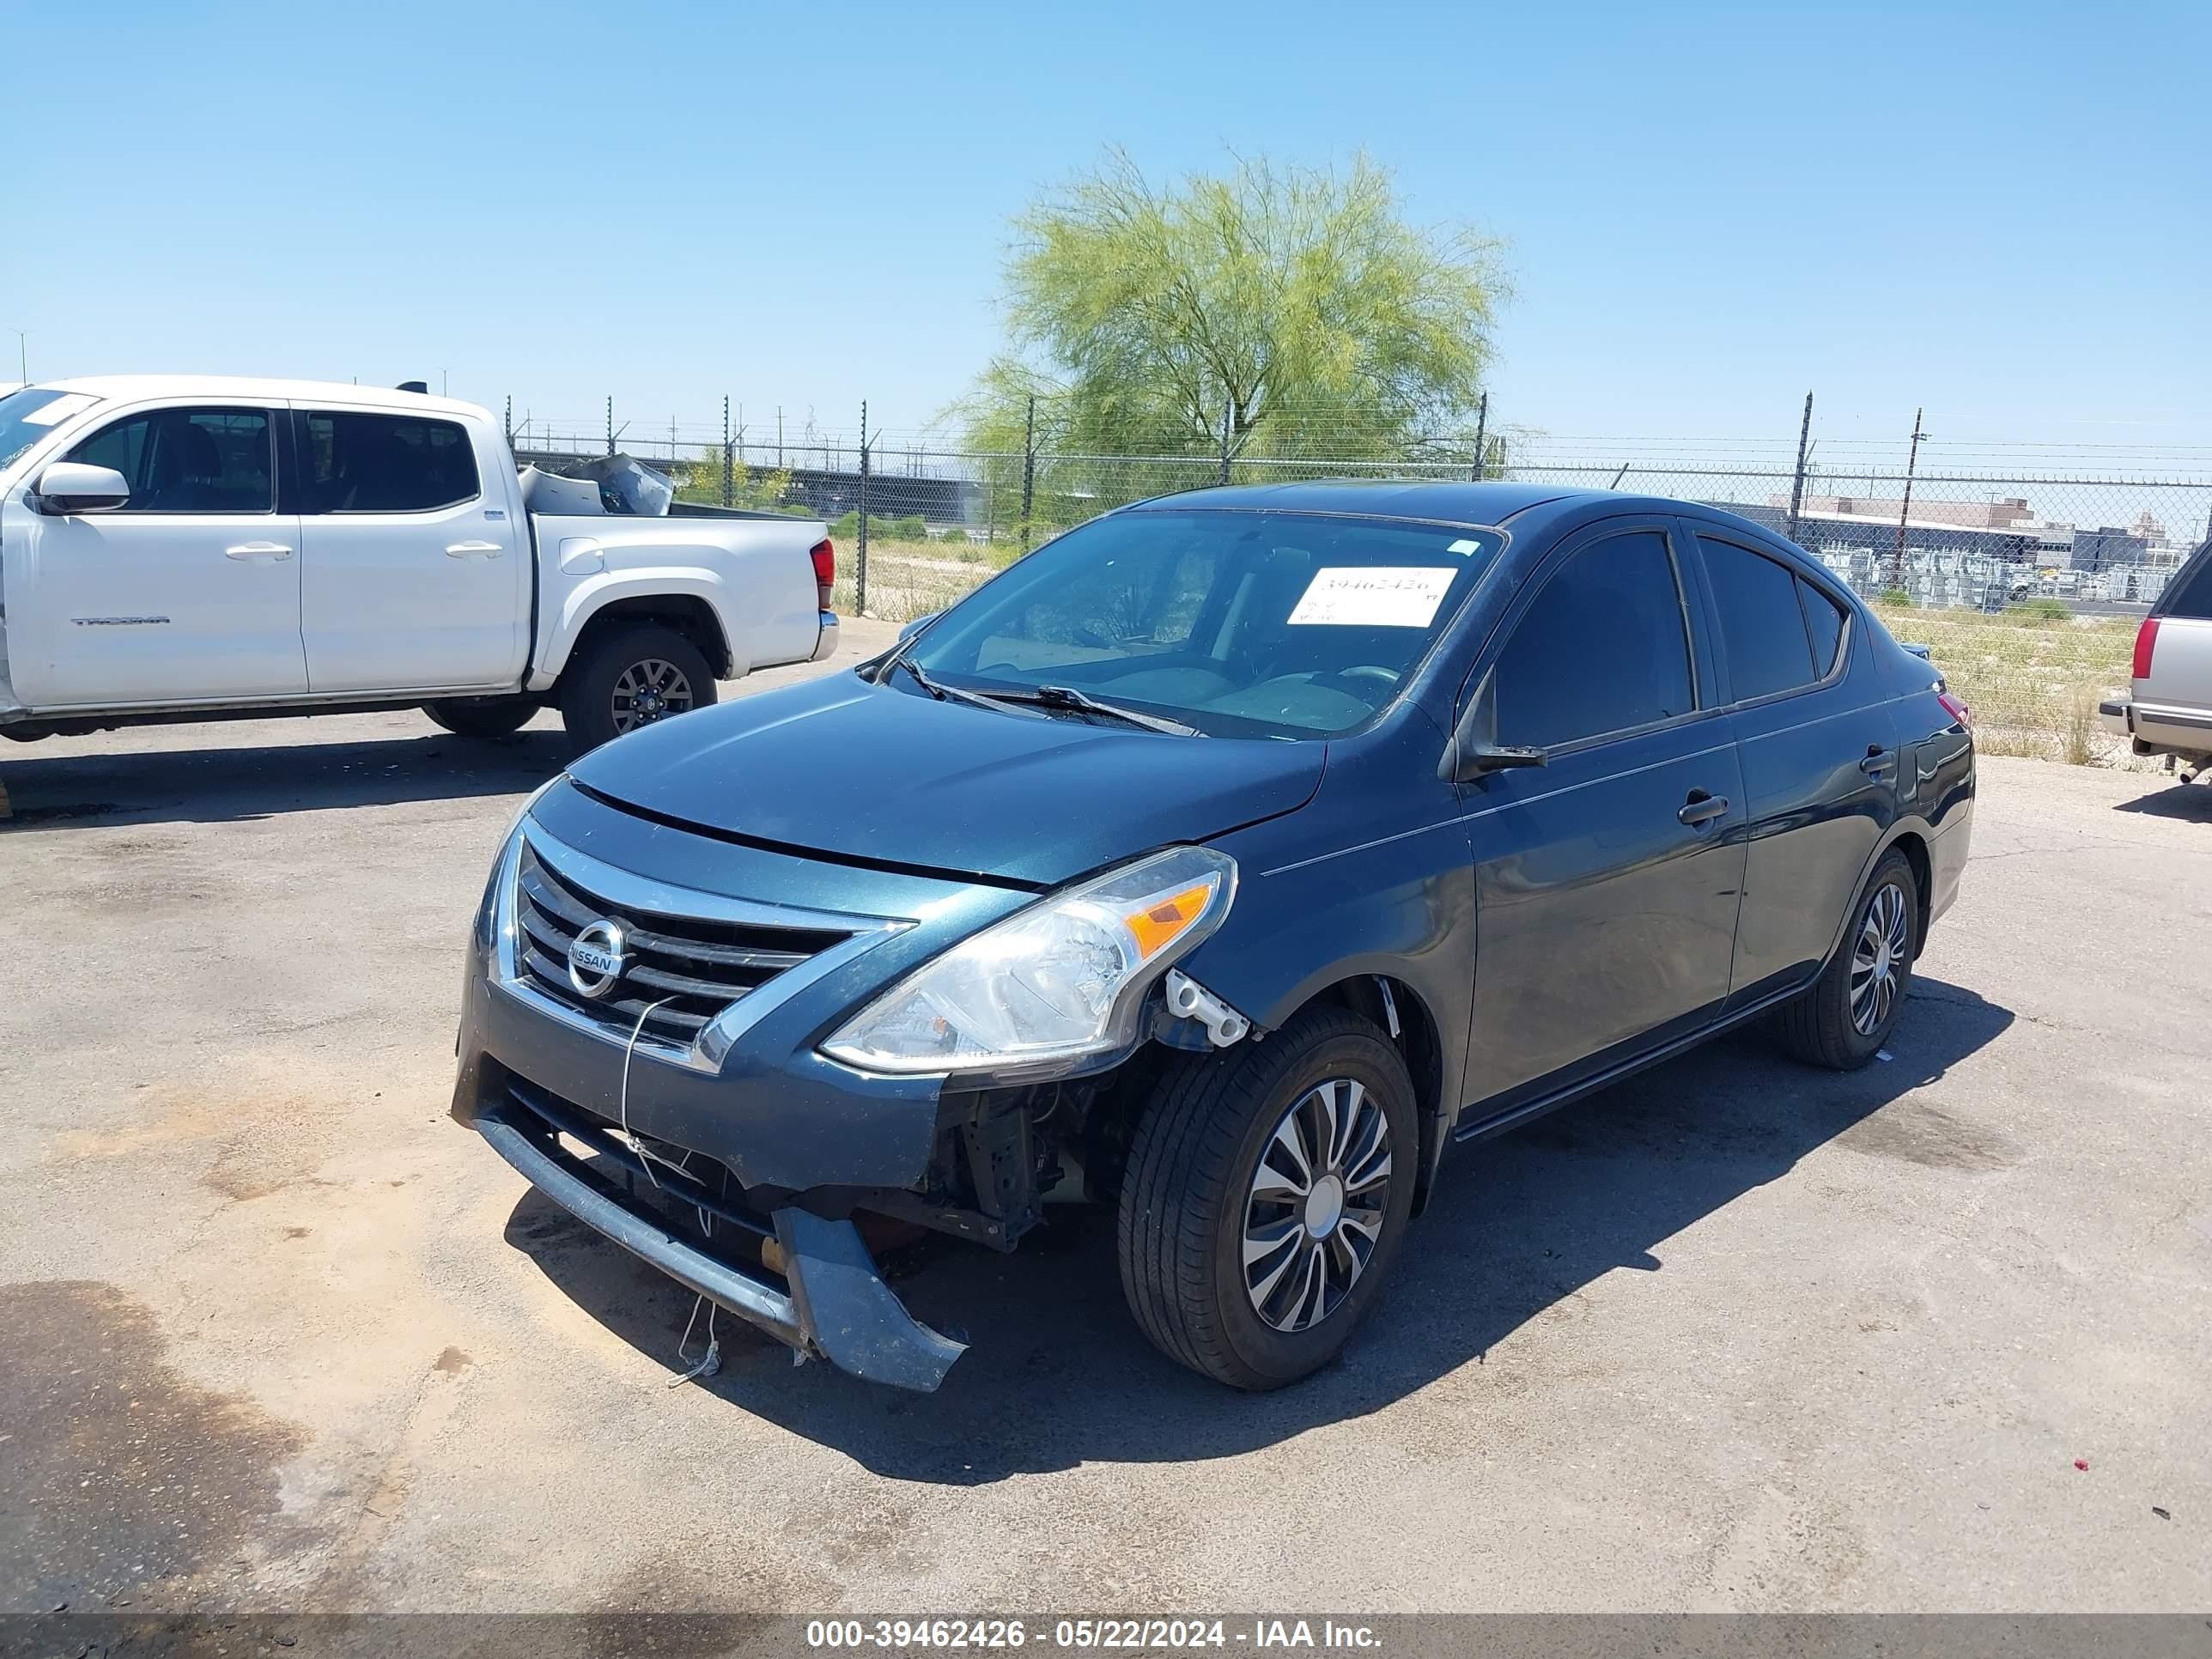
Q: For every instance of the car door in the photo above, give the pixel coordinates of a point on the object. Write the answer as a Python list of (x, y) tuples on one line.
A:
[(1818, 746), (413, 576), (1606, 878), (187, 593)]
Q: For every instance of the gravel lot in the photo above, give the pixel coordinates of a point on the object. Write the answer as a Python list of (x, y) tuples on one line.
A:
[(276, 1334)]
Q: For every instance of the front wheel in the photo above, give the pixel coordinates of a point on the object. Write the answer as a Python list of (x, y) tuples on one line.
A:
[(632, 676), (1266, 1195), (1842, 1019)]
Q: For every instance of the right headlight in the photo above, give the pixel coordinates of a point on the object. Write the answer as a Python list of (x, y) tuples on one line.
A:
[(1051, 985)]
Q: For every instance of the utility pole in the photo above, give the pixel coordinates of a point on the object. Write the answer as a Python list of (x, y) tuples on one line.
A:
[(779, 437), (508, 422), (728, 482), (1227, 406), (1798, 490), (1905, 508), (1481, 428), (23, 356), (611, 425), (442, 383)]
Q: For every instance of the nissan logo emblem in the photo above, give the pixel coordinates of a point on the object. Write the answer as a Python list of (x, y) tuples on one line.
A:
[(597, 957)]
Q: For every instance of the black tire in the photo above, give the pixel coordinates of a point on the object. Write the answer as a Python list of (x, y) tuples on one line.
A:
[(589, 686), (1817, 1025), (481, 717), (1188, 1196)]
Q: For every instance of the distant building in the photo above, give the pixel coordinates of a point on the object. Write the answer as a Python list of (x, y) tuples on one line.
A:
[(2106, 546)]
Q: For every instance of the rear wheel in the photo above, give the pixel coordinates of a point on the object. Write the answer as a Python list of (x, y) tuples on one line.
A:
[(481, 717), (631, 676), (1842, 1019), (1266, 1195)]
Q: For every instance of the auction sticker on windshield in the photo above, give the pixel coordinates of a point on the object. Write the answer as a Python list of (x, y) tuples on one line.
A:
[(1376, 597)]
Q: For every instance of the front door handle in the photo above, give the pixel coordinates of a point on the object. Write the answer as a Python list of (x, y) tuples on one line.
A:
[(474, 550), (271, 551), (1702, 808)]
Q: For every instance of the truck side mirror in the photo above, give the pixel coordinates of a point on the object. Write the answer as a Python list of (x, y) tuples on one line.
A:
[(1474, 751), (72, 487)]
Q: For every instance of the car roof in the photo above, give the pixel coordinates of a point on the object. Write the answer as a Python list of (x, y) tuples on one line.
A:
[(1450, 501), (128, 388)]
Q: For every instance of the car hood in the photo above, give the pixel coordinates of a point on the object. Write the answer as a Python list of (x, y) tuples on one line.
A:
[(876, 773)]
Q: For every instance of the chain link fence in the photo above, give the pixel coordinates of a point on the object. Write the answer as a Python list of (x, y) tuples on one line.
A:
[(2024, 568)]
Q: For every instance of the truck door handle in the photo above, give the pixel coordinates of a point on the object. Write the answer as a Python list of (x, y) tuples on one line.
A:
[(1702, 808), (1877, 760), (474, 550), (271, 551)]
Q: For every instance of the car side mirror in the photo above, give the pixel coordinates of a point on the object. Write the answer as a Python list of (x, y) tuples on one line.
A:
[(71, 487), (1475, 751)]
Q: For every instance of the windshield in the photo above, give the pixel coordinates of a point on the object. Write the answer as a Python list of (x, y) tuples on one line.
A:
[(28, 414), (1240, 623)]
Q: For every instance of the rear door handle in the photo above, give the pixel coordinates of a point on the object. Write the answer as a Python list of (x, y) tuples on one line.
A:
[(271, 551), (1877, 761), (474, 550), (1702, 808)]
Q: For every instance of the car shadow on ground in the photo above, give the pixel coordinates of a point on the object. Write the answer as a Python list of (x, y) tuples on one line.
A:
[(226, 784), (1058, 1374), (2191, 802)]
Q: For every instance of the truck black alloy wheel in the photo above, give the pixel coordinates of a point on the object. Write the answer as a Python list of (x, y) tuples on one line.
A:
[(1268, 1189), (481, 717), (1842, 1019), (632, 676)]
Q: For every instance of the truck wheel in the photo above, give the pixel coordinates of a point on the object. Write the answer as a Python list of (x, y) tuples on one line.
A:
[(1842, 1019), (632, 676), (1266, 1195), (481, 717)]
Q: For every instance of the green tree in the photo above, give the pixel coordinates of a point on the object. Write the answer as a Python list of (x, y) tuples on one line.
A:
[(1301, 301), (756, 487)]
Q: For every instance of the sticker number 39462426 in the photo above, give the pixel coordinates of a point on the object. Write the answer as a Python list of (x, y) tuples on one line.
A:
[(1378, 597)]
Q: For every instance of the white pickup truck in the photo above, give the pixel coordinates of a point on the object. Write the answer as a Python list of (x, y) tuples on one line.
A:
[(191, 548)]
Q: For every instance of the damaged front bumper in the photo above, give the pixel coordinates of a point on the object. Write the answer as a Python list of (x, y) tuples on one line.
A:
[(830, 1304)]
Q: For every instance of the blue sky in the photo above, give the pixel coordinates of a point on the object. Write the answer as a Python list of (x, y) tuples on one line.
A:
[(2000, 212)]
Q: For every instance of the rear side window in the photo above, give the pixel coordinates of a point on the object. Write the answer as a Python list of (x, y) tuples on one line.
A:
[(1604, 647), (1824, 625), (188, 460), (386, 464), (2192, 590), (1763, 625)]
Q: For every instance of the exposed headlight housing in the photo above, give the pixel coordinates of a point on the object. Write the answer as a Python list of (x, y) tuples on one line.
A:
[(1050, 987)]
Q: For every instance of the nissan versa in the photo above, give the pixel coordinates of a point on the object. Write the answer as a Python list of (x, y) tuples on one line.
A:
[(1222, 861)]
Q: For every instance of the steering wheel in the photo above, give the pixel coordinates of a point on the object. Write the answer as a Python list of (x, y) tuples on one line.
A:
[(1361, 682)]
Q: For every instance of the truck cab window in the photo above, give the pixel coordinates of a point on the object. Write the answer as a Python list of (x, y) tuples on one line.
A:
[(359, 463), (188, 460)]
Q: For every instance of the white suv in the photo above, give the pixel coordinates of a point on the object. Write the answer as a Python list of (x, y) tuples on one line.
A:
[(2169, 711)]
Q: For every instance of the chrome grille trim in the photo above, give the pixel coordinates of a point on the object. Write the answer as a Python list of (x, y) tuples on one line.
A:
[(546, 890)]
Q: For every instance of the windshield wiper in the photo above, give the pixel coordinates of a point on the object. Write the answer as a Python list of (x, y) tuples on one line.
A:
[(938, 688), (1066, 696)]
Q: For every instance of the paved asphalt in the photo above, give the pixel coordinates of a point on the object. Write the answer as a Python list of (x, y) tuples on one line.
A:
[(276, 1334)]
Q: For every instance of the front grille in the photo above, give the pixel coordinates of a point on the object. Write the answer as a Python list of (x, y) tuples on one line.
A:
[(684, 969)]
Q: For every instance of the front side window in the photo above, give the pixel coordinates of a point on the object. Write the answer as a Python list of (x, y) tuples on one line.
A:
[(358, 463), (1240, 623), (1604, 648), (189, 460), (1763, 624)]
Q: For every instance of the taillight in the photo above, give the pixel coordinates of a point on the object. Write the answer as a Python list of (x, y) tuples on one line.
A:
[(2145, 643), (824, 554), (1956, 708)]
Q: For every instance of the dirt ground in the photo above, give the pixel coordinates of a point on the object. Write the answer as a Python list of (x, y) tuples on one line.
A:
[(275, 1334)]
